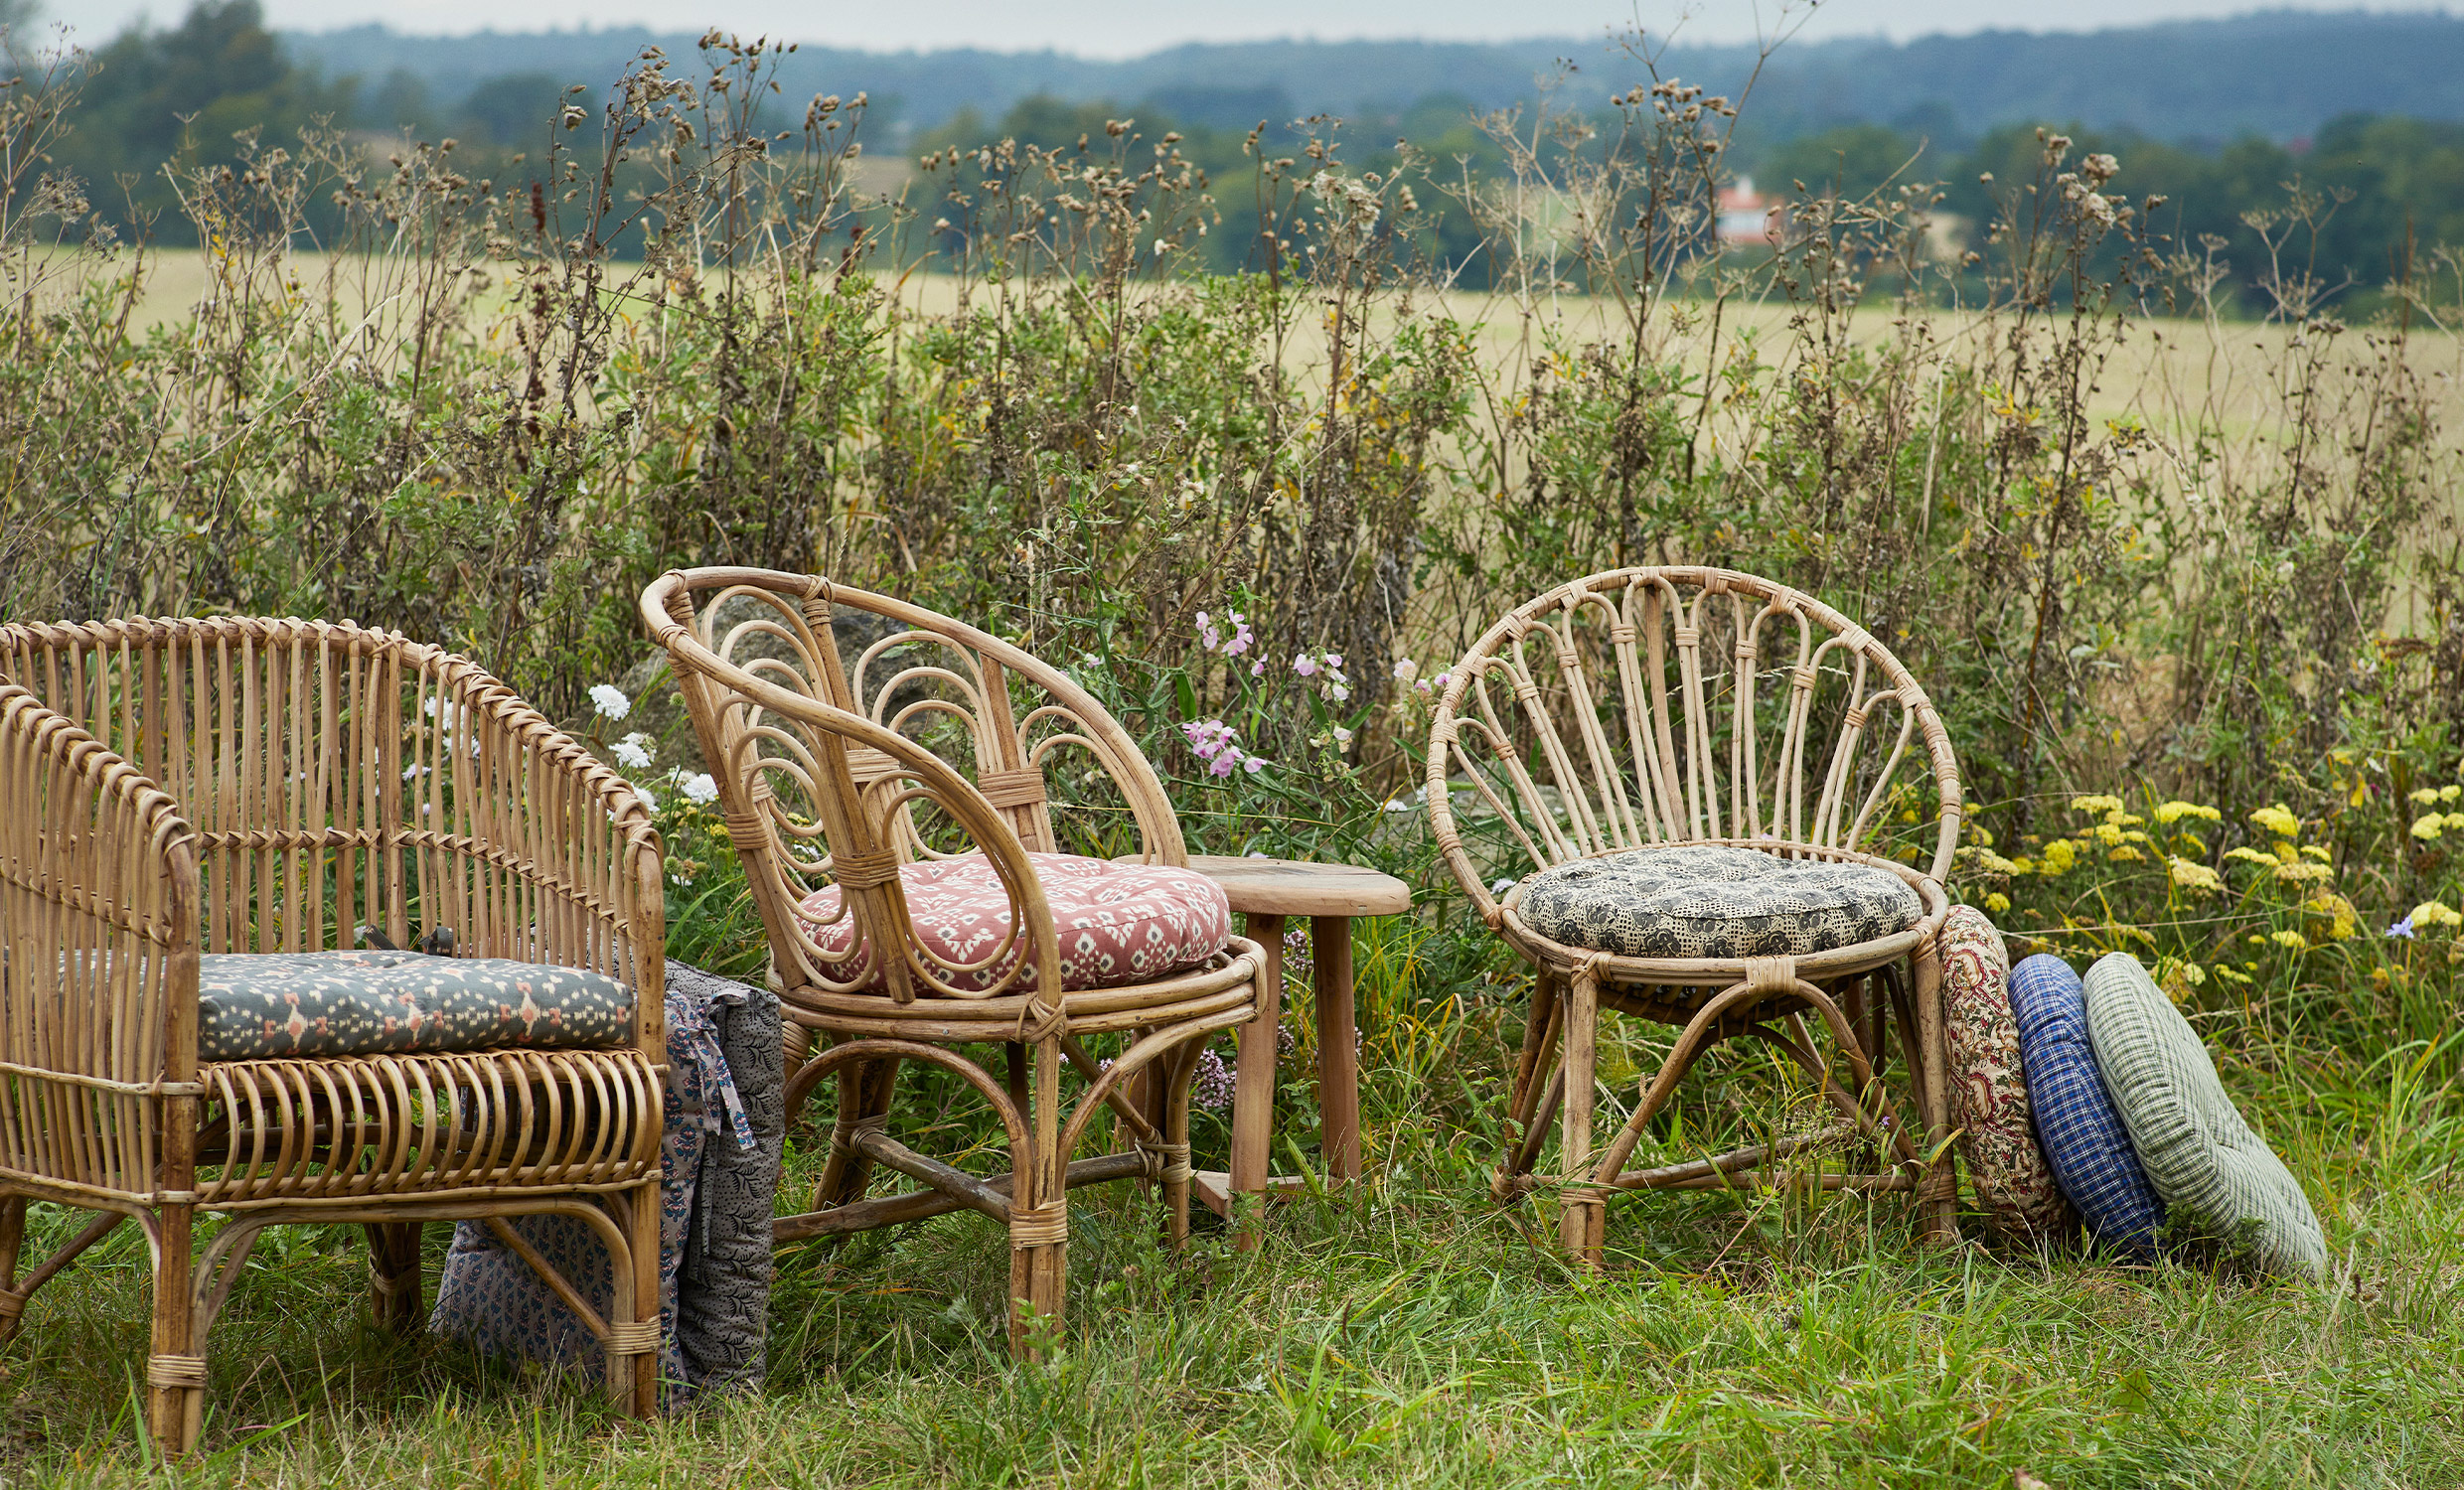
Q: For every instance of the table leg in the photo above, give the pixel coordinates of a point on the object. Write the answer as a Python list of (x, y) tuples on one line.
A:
[(1253, 1086), (1338, 1058)]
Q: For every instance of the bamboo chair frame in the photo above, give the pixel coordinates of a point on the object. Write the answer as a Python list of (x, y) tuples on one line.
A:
[(173, 788), (826, 777), (1564, 721)]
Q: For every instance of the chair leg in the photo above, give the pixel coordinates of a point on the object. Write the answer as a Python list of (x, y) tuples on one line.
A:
[(635, 1334), (394, 1274), (1533, 1078), (1176, 1129), (174, 1371), (12, 1243), (1583, 1208), (1938, 1193), (1039, 1214)]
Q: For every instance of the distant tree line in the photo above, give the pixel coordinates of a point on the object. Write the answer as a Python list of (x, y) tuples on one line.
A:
[(2379, 188)]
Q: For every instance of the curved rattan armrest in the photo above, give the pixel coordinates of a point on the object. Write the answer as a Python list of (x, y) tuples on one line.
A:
[(636, 889), (1117, 752), (952, 792), (98, 881)]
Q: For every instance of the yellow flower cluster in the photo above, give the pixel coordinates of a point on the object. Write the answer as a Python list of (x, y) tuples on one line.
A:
[(2174, 812), (2435, 913), (2430, 824), (2191, 875), (2278, 820)]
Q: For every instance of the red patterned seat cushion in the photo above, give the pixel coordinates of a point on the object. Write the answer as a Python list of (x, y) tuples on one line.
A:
[(1118, 923)]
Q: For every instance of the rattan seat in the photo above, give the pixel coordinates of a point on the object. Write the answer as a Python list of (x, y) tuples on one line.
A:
[(1683, 715), (865, 750), (240, 795)]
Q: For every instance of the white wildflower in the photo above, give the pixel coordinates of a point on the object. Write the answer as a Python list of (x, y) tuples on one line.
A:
[(630, 754), (610, 701), (699, 788)]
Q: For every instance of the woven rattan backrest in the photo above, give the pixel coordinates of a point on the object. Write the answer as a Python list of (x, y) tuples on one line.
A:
[(924, 738), (1675, 705), (337, 776)]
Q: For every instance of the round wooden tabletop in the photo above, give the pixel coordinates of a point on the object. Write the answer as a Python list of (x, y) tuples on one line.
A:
[(1297, 887)]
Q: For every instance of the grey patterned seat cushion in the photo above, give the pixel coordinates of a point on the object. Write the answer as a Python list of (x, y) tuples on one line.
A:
[(1709, 901), (266, 1006)]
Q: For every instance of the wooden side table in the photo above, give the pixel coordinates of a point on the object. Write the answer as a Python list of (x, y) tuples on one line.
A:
[(1265, 892)]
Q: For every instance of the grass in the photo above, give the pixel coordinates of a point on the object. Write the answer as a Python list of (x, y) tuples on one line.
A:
[(1410, 1333)]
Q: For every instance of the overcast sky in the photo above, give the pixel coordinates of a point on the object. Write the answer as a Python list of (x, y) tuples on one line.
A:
[(1126, 28)]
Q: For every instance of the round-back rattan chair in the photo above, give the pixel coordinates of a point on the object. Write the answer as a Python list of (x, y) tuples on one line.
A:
[(856, 740), (1680, 705), (246, 792)]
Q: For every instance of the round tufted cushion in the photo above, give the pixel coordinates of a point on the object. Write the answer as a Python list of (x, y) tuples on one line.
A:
[(2199, 1153), (1119, 923), (2082, 1135), (1989, 1089), (1712, 901)]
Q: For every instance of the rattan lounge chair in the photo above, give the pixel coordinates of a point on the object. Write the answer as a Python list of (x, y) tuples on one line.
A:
[(885, 775), (1598, 721), (225, 802)]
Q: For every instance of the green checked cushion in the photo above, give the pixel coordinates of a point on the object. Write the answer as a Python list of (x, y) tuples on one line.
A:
[(1989, 1105), (273, 1005), (2199, 1153), (1711, 901)]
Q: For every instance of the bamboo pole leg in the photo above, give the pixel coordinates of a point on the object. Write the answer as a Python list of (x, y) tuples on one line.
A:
[(1583, 1206), (1937, 1194), (394, 1274), (1175, 1131), (175, 1371), (1253, 1093), (1338, 1050), (1039, 1215), (12, 1242), (633, 1370)]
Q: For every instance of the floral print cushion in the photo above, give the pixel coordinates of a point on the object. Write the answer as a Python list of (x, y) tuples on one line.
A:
[(276, 1005), (1989, 1089), (1119, 923)]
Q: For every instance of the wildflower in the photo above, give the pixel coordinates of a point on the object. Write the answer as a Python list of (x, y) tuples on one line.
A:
[(2450, 792), (2250, 855), (2023, 866), (2095, 804), (1396, 805), (1440, 680), (1252, 764), (2060, 855), (2229, 971), (2424, 797), (2174, 812), (2193, 877), (648, 800), (610, 701), (2303, 873), (699, 788), (2455, 820), (1342, 737), (2313, 851), (1242, 635), (631, 753), (2435, 913), (2278, 820), (1406, 670), (1502, 886), (2290, 940), (1304, 664), (1258, 668), (2125, 855), (2429, 826), (2333, 915), (2193, 974), (1996, 903), (2403, 930)]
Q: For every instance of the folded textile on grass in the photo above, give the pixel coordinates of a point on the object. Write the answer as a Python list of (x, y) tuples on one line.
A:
[(725, 1124)]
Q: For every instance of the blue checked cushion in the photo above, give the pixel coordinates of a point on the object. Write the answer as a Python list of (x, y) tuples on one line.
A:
[(2199, 1153), (2082, 1133), (253, 1007), (1710, 901)]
